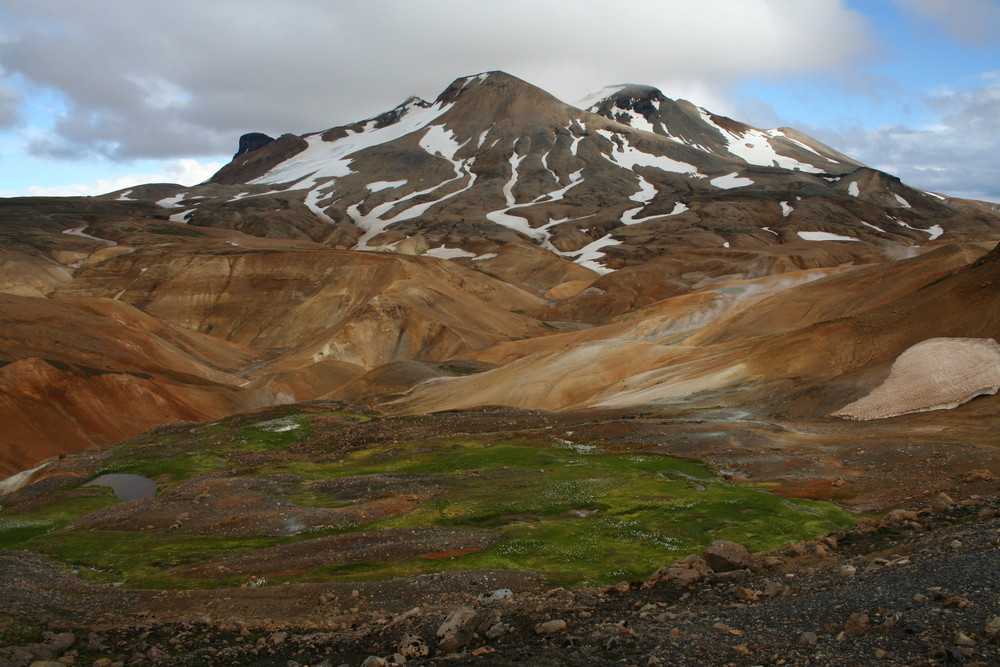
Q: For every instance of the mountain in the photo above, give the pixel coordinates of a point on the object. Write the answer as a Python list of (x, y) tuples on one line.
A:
[(492, 246), (630, 177)]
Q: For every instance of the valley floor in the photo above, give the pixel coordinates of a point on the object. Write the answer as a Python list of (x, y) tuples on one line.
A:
[(919, 594), (912, 583)]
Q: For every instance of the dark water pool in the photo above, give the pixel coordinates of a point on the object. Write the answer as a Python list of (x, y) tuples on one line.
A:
[(126, 486)]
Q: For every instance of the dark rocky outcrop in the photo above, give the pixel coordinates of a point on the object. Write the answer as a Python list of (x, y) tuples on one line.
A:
[(249, 165), (252, 141)]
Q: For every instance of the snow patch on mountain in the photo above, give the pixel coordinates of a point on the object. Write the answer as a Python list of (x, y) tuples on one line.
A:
[(679, 207), (78, 231), (589, 255), (594, 99), (182, 216), (436, 141), (442, 252), (633, 119), (799, 144), (505, 219), (420, 209), (933, 232), (824, 236), (629, 157), (545, 165), (646, 193), (250, 195), (508, 188), (754, 146), (20, 480), (574, 180), (172, 202), (439, 141), (330, 159), (482, 137), (934, 374), (374, 224), (868, 224), (729, 181), (312, 203), (378, 186)]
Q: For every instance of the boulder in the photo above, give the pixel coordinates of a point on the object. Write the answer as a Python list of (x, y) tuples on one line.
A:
[(413, 646), (550, 627), (680, 573), (674, 574), (942, 503), (725, 556)]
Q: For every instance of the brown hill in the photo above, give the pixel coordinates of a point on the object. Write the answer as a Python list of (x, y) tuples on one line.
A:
[(794, 333), (638, 250)]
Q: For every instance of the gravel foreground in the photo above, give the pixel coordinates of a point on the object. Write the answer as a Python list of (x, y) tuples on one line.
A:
[(918, 588)]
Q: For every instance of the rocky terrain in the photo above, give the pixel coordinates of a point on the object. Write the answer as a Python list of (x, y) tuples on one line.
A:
[(502, 379)]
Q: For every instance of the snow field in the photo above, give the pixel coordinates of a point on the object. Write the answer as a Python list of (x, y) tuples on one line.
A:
[(630, 157), (172, 202), (592, 100), (378, 186), (729, 181), (824, 236), (645, 194), (591, 253), (442, 252), (933, 232), (330, 159), (78, 231), (754, 147)]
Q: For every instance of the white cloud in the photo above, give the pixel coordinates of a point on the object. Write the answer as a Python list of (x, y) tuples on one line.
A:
[(10, 105), (144, 79), (973, 21), (186, 78), (955, 155), (185, 171)]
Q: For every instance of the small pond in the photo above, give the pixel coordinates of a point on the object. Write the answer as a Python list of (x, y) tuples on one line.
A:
[(126, 486)]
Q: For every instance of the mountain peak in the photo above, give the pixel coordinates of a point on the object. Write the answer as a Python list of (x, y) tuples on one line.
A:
[(498, 95), (623, 95), (494, 80)]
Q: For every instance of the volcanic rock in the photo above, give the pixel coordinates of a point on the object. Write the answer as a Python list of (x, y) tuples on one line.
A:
[(251, 142), (725, 556), (455, 631)]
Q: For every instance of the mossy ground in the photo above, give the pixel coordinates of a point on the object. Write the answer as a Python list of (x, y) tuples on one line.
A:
[(174, 458), (579, 513)]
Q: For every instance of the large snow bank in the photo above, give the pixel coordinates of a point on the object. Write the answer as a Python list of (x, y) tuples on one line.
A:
[(936, 374)]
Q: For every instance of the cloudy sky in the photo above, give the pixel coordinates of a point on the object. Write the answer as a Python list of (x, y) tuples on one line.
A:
[(96, 96)]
